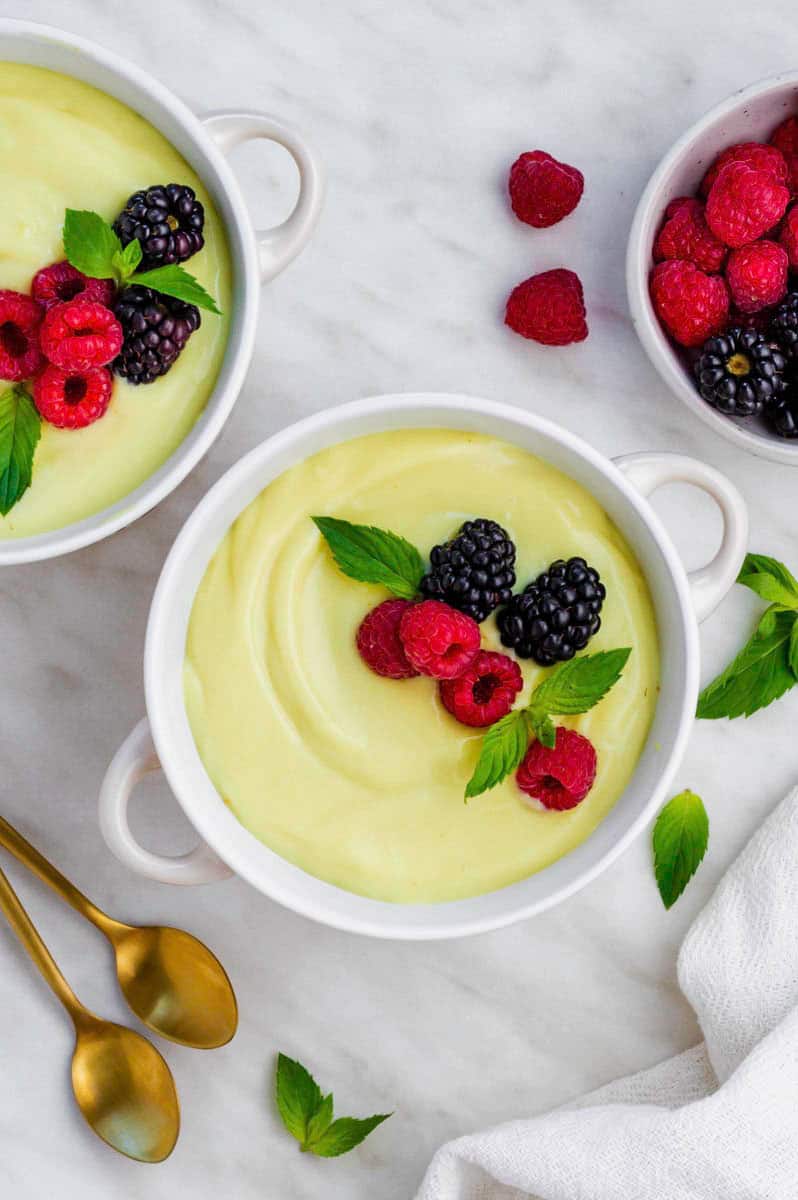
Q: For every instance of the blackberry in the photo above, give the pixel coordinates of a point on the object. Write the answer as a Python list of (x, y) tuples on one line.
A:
[(474, 571), (782, 417), (556, 614), (156, 328), (784, 325), (167, 220), (741, 372)]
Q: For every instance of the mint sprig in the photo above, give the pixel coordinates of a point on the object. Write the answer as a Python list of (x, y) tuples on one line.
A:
[(373, 555), (767, 665), (681, 837), (308, 1115), (20, 429), (93, 247), (574, 687)]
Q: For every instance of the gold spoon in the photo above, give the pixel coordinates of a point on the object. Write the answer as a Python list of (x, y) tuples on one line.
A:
[(122, 1085), (172, 982)]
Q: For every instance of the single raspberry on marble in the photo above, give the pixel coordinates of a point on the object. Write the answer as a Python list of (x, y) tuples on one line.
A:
[(543, 190), (785, 139), (754, 154), (686, 235), (378, 641), (486, 690), (61, 282), (744, 203), (559, 778), (20, 328), (757, 275), (691, 304), (80, 335), (549, 308), (72, 399), (438, 640)]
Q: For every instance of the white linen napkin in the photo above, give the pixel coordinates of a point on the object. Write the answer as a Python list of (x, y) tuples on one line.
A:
[(719, 1122)]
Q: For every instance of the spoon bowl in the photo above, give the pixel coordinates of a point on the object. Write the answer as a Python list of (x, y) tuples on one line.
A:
[(175, 985), (124, 1090)]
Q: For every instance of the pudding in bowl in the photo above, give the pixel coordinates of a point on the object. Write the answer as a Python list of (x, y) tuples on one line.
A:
[(74, 147), (359, 779)]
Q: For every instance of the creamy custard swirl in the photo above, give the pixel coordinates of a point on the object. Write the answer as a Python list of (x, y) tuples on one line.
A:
[(357, 779)]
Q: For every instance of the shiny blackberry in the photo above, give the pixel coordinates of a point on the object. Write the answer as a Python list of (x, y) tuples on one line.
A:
[(555, 615), (474, 572), (156, 328), (784, 325), (782, 417), (167, 220), (741, 372)]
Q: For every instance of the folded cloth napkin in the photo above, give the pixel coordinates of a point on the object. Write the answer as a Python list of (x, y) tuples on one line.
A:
[(719, 1122)]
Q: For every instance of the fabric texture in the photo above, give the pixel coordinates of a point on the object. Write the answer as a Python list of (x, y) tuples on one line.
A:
[(719, 1122)]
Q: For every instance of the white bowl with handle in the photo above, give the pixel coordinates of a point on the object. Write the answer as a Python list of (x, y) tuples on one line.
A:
[(749, 115), (164, 738), (256, 255)]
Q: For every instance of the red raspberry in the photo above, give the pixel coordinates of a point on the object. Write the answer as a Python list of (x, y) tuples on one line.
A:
[(691, 305), (378, 640), (744, 203), (20, 321), (757, 275), (61, 282), (789, 236), (72, 399), (81, 334), (548, 308), (562, 777), (785, 139), (438, 640), (685, 234), (485, 692), (543, 190), (758, 155)]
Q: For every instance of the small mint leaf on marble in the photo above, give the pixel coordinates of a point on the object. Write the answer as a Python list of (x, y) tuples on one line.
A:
[(770, 579), (20, 430), (681, 836), (372, 555), (308, 1115), (175, 281), (761, 673)]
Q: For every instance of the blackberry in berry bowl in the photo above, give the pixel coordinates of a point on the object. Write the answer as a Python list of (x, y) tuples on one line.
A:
[(475, 571), (741, 372), (555, 615), (167, 220)]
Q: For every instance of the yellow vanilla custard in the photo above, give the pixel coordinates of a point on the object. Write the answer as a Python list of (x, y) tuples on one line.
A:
[(358, 779), (66, 145)]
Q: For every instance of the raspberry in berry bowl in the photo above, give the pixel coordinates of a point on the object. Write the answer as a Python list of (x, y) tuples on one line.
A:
[(129, 282), (712, 268), (366, 629)]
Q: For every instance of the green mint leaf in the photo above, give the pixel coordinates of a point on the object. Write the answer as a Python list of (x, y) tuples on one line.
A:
[(578, 685), (176, 281), (90, 244), (20, 429), (346, 1133), (373, 555), (793, 651), (770, 579), (125, 261), (320, 1122), (543, 729), (681, 835), (298, 1097), (503, 747), (760, 673)]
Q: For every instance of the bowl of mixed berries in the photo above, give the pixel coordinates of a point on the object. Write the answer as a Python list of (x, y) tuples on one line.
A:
[(712, 268)]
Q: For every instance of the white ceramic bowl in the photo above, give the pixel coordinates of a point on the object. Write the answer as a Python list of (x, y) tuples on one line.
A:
[(257, 255), (749, 115), (166, 740)]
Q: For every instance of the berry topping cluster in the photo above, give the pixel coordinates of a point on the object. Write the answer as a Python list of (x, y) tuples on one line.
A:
[(431, 627), (721, 283)]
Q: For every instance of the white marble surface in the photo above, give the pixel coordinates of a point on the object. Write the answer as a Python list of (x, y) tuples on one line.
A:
[(418, 108)]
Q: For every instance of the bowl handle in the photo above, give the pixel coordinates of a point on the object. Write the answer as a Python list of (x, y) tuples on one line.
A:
[(278, 245), (134, 759), (650, 471)]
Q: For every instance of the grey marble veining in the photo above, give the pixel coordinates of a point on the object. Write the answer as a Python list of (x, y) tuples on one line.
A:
[(418, 109)]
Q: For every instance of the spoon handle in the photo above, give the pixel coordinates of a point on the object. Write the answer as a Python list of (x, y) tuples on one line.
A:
[(29, 856), (29, 935)]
